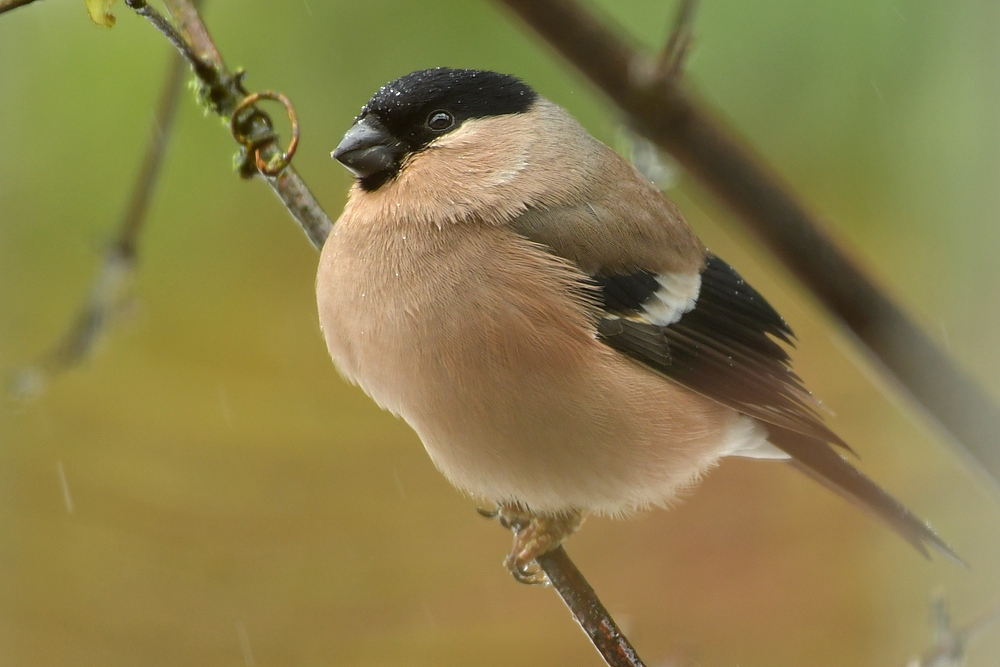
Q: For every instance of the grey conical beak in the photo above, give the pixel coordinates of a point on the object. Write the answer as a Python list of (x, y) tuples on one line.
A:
[(368, 149)]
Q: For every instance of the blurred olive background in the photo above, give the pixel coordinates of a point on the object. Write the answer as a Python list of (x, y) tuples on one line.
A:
[(232, 501)]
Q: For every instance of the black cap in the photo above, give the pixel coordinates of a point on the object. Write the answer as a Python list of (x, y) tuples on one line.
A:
[(405, 115)]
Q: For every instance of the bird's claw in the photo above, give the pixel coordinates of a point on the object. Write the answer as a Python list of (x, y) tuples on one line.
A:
[(534, 535), (488, 514), (530, 573)]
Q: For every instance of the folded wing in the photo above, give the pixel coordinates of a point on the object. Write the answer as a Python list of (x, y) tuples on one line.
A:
[(713, 333)]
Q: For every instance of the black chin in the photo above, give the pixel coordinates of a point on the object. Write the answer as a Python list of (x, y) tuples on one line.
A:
[(377, 180)]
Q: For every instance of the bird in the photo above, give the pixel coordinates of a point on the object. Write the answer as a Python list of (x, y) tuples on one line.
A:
[(548, 323)]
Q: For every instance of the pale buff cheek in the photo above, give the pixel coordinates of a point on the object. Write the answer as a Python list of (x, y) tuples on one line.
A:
[(492, 169)]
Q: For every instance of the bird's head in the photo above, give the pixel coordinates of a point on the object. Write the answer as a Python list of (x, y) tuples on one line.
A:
[(419, 111)]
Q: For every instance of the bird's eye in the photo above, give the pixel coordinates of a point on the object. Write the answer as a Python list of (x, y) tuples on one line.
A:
[(440, 120)]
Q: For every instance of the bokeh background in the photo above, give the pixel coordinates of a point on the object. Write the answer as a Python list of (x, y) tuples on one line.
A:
[(232, 501)]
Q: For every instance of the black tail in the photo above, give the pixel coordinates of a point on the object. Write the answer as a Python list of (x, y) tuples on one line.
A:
[(818, 460)]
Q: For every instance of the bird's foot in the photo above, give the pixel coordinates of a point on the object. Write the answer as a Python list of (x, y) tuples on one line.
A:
[(534, 535)]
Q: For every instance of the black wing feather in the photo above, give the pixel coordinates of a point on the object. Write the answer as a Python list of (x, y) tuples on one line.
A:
[(727, 349), (723, 348)]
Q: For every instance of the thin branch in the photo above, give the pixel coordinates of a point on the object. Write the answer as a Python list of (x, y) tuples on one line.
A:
[(951, 644), (149, 172), (587, 609), (195, 32), (673, 118), (7, 5), (671, 60), (116, 271), (202, 69), (223, 91)]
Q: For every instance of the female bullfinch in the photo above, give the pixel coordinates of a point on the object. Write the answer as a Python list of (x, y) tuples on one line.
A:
[(546, 320)]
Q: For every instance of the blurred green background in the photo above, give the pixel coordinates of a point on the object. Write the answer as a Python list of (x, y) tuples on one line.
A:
[(234, 502)]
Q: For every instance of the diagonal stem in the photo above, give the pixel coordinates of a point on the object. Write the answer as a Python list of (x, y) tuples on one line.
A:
[(194, 31), (202, 68), (163, 123), (587, 609)]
